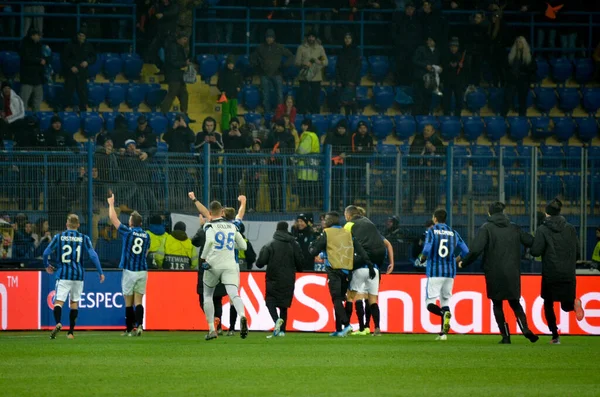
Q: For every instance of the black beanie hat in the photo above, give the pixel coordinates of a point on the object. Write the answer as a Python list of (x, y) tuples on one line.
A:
[(55, 119), (282, 226), (179, 226), (553, 207), (304, 217), (496, 207)]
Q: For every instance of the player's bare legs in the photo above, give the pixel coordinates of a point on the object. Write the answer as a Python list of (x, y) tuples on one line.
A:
[(57, 318), (72, 318), (129, 315), (139, 312)]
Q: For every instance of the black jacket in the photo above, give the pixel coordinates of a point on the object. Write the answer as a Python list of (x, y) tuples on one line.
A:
[(423, 57), (421, 157), (557, 243), (478, 42), (215, 147), (267, 59), (167, 25), (121, 133), (237, 142), (175, 62), (74, 54), (360, 259), (284, 140), (283, 258), (454, 72), (32, 71), (347, 68), (59, 139), (179, 140), (362, 144), (407, 32), (229, 81), (434, 25), (146, 140), (521, 72), (366, 233), (340, 143), (304, 238), (500, 242)]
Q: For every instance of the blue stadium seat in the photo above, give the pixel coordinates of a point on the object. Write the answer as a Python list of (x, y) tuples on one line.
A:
[(481, 155), (115, 96), (171, 116), (422, 121), (404, 96), (383, 98), (591, 100), (242, 63), (330, 69), (562, 69), (379, 67), (406, 127), (9, 145), (496, 99), (56, 64), (564, 128), (334, 119), (112, 67), (268, 116), (386, 149), (95, 68), (320, 124), (483, 184), (476, 100), (11, 62), (70, 122), (162, 147), (472, 128), (132, 68), (551, 186), (158, 123), (518, 128), (109, 120), (129, 55), (545, 99), (251, 97), (354, 119), (254, 118), (135, 96), (289, 74), (572, 187), (495, 128), (573, 157), (568, 99), (362, 97), (540, 127), (55, 96), (364, 67), (382, 127), (92, 124), (131, 118), (543, 69), (587, 128), (528, 101), (96, 95), (208, 67), (524, 155), (509, 155), (154, 97), (584, 70), (552, 156), (515, 185), (45, 118), (450, 127), (461, 156), (221, 59)]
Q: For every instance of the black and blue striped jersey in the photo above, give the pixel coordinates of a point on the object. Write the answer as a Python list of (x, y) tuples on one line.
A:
[(68, 247), (440, 244), (136, 243)]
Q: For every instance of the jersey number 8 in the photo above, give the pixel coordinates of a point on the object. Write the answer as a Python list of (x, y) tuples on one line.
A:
[(138, 243), (222, 242)]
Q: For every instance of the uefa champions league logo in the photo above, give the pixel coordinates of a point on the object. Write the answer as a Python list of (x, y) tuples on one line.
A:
[(50, 299)]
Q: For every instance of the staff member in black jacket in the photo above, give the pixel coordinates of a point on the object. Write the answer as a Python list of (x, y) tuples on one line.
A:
[(78, 56), (32, 69), (304, 235), (283, 259), (557, 243), (500, 242)]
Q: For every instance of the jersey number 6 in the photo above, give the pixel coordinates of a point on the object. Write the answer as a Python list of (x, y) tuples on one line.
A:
[(443, 248)]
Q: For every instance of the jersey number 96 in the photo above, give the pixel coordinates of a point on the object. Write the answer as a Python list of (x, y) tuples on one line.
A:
[(224, 242)]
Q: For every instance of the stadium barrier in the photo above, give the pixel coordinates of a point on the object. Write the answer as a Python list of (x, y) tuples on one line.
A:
[(27, 302)]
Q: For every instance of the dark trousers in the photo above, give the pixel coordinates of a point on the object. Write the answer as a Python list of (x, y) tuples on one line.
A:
[(521, 88), (338, 282), (283, 312), (176, 89), (517, 309), (76, 83), (276, 189), (422, 98), (453, 90), (404, 67), (309, 93), (551, 316), (337, 188), (475, 73)]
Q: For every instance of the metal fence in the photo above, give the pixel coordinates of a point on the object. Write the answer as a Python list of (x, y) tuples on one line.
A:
[(50, 185)]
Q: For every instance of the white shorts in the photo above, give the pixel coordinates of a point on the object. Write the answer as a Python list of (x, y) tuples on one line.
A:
[(362, 284), (439, 288), (71, 288), (212, 277), (134, 282)]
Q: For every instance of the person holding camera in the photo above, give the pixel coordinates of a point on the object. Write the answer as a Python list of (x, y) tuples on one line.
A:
[(312, 59)]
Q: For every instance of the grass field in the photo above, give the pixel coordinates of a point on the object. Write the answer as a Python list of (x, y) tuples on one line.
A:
[(183, 364)]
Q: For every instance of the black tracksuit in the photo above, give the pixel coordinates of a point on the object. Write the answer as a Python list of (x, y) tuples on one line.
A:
[(304, 238), (453, 77), (75, 53)]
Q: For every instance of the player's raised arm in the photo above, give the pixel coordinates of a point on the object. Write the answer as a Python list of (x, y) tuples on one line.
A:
[(47, 252), (242, 210), (112, 214), (390, 251), (199, 206), (94, 257)]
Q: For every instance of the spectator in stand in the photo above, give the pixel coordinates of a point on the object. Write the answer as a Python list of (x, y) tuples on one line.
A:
[(253, 174), (179, 137), (56, 137), (145, 138), (521, 71), (229, 83), (23, 242), (308, 177), (339, 15), (552, 11), (341, 143), (12, 112), (347, 76), (426, 59), (166, 15), (304, 234), (267, 59), (312, 59), (407, 34), (28, 133), (180, 254), (286, 108), (209, 135), (498, 43), (176, 61), (281, 142), (292, 127), (121, 133), (433, 23), (477, 46), (362, 145), (36, 22), (41, 236), (454, 78), (32, 73), (428, 153), (158, 237), (134, 170), (77, 57), (235, 141), (185, 18)]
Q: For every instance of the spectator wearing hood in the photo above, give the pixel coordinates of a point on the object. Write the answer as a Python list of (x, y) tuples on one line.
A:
[(180, 254), (454, 78), (347, 75), (121, 133), (407, 35), (12, 112), (32, 72), (303, 233), (158, 237), (235, 140), (280, 141), (311, 58), (229, 84), (77, 57), (209, 136), (176, 62), (283, 258), (362, 145), (57, 137), (267, 59), (425, 59), (146, 139), (179, 137), (308, 177), (341, 143)]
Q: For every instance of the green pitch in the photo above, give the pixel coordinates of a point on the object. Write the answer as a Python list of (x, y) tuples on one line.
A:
[(183, 364)]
